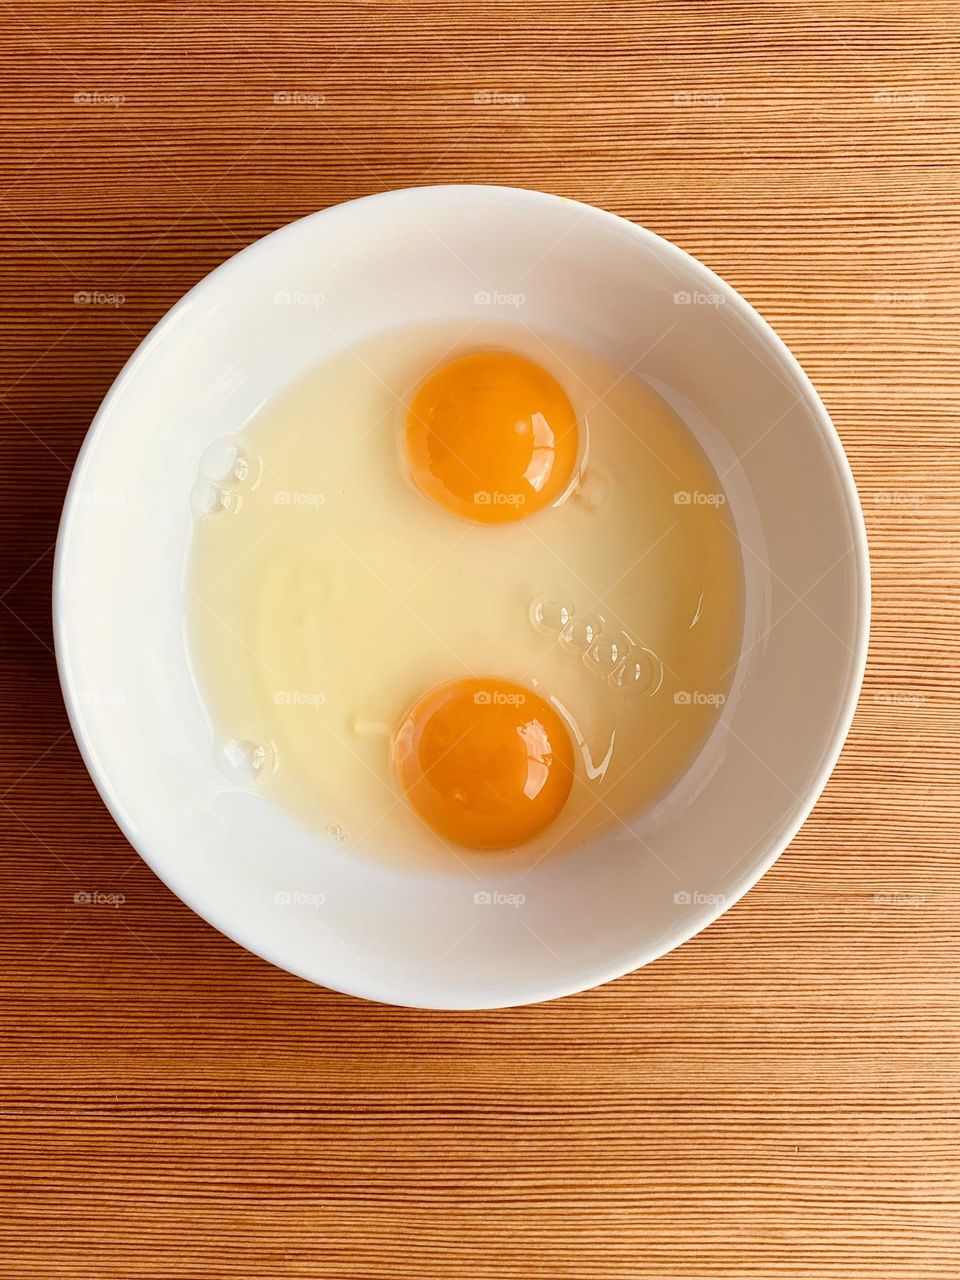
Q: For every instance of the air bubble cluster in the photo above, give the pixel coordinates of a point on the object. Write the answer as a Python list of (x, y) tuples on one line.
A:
[(626, 665), (226, 470)]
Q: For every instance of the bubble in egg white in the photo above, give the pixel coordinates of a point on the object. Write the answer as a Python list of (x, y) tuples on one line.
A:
[(604, 654), (550, 616), (209, 499), (245, 761), (581, 633), (640, 672), (228, 462)]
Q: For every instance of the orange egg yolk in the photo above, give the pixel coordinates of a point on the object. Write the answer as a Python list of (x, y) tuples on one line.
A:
[(491, 437), (486, 763)]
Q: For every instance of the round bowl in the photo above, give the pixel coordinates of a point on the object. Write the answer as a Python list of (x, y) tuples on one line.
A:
[(572, 921)]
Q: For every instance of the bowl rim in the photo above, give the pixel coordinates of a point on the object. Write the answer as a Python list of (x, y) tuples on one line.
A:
[(596, 974)]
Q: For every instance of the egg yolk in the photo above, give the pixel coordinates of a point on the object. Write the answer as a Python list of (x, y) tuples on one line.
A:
[(491, 437), (486, 763)]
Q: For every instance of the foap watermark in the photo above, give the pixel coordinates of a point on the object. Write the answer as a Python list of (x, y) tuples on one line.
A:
[(698, 698), (497, 98), (95, 698), (494, 898), (298, 898), (497, 698), (100, 498), (899, 698), (696, 99), (296, 498), (97, 899), (694, 898), (498, 298), (98, 98), (899, 98), (297, 298), (900, 298), (98, 298), (697, 298), (696, 498), (898, 498), (486, 498), (298, 698), (899, 899), (297, 98)]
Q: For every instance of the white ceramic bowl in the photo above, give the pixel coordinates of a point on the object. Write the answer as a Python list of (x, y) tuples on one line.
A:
[(444, 941)]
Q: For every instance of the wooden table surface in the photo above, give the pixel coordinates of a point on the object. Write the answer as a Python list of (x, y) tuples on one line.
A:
[(777, 1098)]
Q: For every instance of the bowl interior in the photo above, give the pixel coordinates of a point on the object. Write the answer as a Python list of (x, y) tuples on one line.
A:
[(255, 324)]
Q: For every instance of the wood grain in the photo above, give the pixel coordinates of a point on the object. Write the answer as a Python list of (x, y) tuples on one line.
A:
[(778, 1098)]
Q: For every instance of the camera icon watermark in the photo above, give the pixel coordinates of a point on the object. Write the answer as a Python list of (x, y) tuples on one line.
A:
[(97, 98), (494, 498), (497, 698), (900, 298), (295, 498), (297, 298), (899, 698), (698, 99), (898, 498), (99, 698), (498, 298), (494, 898), (697, 498), (497, 98), (97, 899), (899, 98), (697, 298), (298, 898), (100, 498), (297, 698), (98, 298), (697, 698), (295, 98)]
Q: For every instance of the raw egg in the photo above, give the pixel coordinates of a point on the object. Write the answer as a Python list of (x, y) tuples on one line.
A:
[(485, 762), (327, 596), (491, 437)]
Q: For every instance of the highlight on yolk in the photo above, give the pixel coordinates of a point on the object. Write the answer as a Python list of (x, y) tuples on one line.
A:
[(485, 762), (491, 437)]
